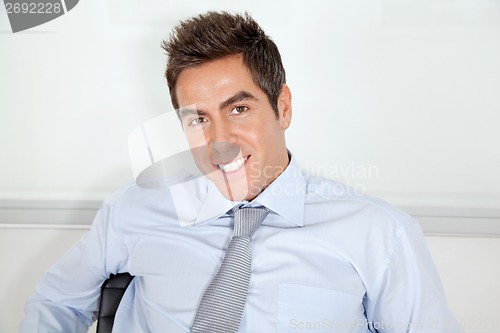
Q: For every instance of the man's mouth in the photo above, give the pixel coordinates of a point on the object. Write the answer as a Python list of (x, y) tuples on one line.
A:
[(233, 166)]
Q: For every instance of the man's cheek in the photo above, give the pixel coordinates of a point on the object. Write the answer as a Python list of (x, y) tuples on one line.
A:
[(195, 137), (254, 169), (202, 159)]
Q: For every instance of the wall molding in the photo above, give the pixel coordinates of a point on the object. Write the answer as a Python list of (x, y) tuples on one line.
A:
[(457, 221), (79, 214), (58, 213)]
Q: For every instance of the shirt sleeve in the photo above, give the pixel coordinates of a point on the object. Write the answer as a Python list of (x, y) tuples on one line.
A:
[(66, 299), (410, 296)]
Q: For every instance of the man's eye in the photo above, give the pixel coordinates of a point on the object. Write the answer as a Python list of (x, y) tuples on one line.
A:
[(197, 121), (239, 109)]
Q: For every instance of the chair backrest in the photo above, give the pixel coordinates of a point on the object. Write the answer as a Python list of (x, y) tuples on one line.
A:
[(112, 291)]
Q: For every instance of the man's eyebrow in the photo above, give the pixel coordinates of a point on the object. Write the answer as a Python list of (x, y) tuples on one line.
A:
[(241, 96), (183, 112)]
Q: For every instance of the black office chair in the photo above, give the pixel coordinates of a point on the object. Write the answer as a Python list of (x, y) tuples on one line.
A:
[(112, 291)]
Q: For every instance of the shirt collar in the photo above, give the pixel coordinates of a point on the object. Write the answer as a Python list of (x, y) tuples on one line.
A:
[(285, 196)]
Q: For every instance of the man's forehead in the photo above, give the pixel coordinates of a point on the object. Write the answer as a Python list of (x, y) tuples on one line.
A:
[(209, 76)]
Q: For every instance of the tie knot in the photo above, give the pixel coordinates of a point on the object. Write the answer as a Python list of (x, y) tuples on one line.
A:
[(247, 220)]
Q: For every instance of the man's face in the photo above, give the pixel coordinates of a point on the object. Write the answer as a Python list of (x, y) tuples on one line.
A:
[(223, 112)]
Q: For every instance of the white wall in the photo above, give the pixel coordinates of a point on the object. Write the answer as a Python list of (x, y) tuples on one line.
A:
[(470, 273), (403, 94)]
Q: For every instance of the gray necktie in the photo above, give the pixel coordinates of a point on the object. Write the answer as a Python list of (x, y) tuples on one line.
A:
[(222, 305)]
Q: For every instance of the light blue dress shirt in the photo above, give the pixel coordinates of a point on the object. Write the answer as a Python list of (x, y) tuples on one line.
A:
[(324, 260)]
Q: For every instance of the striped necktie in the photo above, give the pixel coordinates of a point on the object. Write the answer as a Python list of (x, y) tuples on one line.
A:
[(222, 304)]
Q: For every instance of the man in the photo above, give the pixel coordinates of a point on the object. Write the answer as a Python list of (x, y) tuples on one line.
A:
[(322, 259)]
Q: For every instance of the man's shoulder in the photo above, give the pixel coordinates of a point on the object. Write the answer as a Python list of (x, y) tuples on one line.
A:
[(125, 193), (352, 223), (337, 199), (131, 200)]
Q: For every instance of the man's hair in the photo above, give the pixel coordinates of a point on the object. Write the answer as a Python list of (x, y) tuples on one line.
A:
[(215, 35)]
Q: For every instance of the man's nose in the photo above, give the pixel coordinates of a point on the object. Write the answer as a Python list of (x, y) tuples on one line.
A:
[(223, 152), (222, 144), (220, 131)]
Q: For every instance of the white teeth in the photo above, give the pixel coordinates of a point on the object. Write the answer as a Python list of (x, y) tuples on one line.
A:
[(233, 166)]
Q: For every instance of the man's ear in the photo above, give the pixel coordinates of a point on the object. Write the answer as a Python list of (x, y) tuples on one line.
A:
[(285, 107)]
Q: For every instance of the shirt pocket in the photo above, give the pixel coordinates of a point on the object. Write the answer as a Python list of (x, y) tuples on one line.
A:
[(313, 309)]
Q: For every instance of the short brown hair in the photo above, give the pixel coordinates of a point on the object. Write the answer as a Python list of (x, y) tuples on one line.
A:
[(214, 35)]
